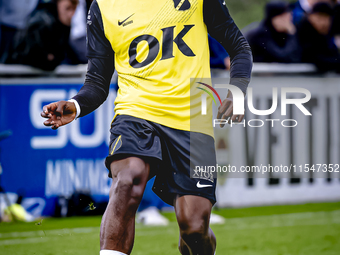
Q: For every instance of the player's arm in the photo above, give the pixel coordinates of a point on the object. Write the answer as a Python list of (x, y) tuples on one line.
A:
[(97, 80), (221, 26)]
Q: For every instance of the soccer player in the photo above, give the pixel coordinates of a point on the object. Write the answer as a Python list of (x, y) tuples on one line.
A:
[(156, 46)]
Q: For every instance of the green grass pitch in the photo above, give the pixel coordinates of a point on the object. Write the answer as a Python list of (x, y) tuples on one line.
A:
[(273, 230)]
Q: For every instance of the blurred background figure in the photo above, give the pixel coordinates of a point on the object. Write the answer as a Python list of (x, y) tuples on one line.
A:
[(13, 17), (336, 23), (302, 7), (219, 58), (316, 40), (275, 39), (78, 31), (44, 43)]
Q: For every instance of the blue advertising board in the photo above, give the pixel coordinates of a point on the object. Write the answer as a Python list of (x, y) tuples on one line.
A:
[(44, 163)]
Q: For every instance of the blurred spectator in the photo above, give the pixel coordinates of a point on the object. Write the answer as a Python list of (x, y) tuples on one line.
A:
[(336, 24), (219, 58), (302, 7), (78, 32), (317, 43), (13, 17), (275, 39), (45, 41)]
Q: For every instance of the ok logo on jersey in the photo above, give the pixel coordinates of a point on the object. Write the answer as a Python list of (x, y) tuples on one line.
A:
[(167, 46)]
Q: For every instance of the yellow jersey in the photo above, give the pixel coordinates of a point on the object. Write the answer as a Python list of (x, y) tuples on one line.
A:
[(159, 46)]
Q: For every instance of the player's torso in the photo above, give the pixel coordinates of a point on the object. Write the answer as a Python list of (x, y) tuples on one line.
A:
[(159, 45)]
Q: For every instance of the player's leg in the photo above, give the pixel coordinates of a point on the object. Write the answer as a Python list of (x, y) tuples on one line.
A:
[(193, 213), (129, 177)]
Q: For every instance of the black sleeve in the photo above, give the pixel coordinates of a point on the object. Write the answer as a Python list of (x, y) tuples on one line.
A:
[(221, 26), (100, 64)]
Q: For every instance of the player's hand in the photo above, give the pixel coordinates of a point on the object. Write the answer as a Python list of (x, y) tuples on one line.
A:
[(59, 114), (225, 111)]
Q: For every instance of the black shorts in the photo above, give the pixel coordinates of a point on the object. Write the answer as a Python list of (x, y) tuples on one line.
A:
[(178, 158)]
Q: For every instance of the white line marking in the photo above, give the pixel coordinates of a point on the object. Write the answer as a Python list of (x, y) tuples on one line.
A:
[(24, 241), (284, 220), (53, 232)]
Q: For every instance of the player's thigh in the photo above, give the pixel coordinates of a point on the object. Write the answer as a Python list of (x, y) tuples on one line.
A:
[(129, 173), (193, 213)]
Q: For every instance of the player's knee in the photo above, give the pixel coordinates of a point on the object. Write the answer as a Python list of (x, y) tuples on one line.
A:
[(193, 228)]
